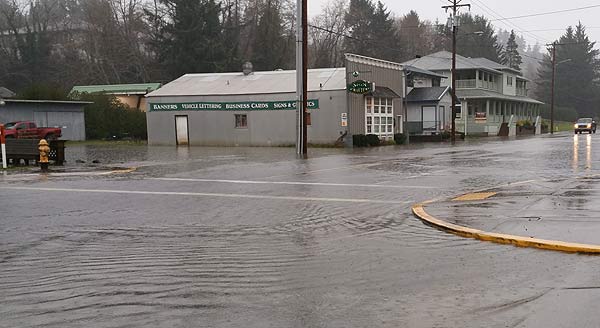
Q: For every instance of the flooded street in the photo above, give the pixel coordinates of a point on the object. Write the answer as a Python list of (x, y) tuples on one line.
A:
[(253, 237)]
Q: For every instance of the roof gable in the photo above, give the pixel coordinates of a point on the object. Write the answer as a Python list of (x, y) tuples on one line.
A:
[(427, 94)]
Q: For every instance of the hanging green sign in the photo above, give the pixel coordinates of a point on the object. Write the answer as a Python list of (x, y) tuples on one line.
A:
[(220, 106), (360, 87)]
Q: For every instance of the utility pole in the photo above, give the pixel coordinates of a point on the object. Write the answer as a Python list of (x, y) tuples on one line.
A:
[(455, 5), (554, 64), (301, 77), (552, 88)]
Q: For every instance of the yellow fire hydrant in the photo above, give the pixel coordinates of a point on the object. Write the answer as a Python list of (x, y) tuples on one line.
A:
[(44, 152)]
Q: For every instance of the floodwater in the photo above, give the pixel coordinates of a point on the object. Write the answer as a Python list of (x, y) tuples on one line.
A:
[(253, 237)]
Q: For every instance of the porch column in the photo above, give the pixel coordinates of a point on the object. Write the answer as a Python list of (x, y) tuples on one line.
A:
[(495, 106), (465, 115), (487, 110)]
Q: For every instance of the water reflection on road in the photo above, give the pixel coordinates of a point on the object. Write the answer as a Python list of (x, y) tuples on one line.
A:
[(577, 139), (253, 237)]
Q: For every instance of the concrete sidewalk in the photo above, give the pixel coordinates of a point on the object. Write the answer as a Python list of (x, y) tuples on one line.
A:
[(560, 210)]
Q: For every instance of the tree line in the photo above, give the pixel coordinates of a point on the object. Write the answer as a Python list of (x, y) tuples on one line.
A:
[(70, 42), (73, 42)]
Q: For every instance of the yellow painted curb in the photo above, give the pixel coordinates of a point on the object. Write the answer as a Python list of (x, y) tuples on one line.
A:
[(520, 241), (474, 196), (123, 171)]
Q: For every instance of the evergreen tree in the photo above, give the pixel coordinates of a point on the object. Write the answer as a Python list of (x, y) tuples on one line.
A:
[(270, 46), (384, 33), (510, 55), (189, 38), (476, 37), (372, 30), (415, 36), (577, 75), (231, 36)]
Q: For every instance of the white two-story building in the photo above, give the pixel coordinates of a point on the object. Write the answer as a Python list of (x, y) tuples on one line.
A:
[(492, 96)]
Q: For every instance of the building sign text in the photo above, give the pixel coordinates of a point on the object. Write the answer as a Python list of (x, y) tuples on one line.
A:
[(247, 105), (360, 87)]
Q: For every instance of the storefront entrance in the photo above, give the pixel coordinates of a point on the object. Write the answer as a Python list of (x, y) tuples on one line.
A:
[(181, 129)]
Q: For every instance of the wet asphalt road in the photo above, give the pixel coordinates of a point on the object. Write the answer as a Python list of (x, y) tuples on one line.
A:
[(252, 237)]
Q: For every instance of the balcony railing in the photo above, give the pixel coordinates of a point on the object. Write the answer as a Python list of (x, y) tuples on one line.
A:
[(477, 84), (521, 92), (422, 127), (466, 84)]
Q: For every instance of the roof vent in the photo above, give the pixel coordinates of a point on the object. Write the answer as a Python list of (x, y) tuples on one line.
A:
[(247, 68)]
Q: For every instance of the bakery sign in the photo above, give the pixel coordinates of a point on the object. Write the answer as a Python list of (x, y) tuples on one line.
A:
[(360, 87)]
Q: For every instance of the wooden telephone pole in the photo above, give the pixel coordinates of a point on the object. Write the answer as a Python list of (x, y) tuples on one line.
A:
[(301, 78), (455, 5)]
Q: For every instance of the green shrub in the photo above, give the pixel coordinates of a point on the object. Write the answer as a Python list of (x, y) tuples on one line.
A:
[(359, 140), (373, 140), (524, 123), (445, 135), (400, 138), (107, 118)]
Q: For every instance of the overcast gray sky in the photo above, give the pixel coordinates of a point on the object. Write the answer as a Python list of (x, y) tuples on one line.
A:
[(541, 29)]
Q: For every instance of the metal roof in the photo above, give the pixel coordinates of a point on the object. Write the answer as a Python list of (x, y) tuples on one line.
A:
[(427, 94), (423, 71), (442, 61), (484, 94), (492, 64), (6, 93), (389, 65), (383, 92), (137, 88), (70, 102), (205, 84)]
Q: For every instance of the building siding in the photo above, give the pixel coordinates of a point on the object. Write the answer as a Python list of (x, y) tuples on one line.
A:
[(382, 76), (265, 127), (69, 117)]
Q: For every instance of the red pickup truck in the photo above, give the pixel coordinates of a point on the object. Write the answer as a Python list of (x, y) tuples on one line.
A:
[(28, 130)]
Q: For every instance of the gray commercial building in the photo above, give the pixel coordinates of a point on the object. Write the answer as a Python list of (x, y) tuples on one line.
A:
[(259, 108), (67, 115)]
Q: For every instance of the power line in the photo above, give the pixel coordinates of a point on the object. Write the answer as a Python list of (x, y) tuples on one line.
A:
[(546, 13), (511, 25), (561, 29)]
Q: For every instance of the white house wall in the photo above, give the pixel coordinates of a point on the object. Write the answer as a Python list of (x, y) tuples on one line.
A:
[(509, 90), (265, 127)]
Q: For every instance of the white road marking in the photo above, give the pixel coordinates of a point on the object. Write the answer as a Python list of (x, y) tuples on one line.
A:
[(296, 183), (201, 194)]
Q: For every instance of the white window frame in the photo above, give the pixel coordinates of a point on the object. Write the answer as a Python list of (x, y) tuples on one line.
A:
[(373, 114), (241, 121)]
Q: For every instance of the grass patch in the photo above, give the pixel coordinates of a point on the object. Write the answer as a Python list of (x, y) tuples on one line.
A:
[(562, 126)]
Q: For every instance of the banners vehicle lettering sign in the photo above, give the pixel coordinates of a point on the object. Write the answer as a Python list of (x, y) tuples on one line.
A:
[(225, 106)]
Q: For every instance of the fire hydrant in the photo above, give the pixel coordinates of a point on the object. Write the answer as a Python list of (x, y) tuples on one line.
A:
[(44, 152)]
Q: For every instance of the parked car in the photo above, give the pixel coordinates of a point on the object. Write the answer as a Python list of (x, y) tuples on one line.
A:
[(28, 130), (585, 124)]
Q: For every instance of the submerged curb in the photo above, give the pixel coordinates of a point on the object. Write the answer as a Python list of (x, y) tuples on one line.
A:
[(520, 241)]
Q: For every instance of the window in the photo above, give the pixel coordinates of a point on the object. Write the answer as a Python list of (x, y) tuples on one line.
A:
[(379, 117), (509, 80), (241, 121)]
